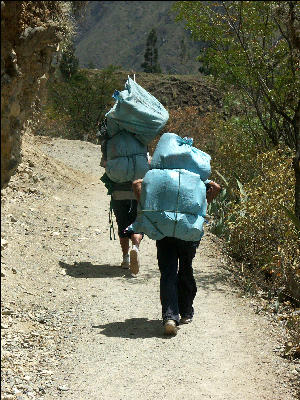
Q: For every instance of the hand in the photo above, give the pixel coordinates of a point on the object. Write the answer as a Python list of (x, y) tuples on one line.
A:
[(213, 191)]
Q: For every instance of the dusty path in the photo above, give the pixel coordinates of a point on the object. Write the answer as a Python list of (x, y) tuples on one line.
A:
[(104, 328)]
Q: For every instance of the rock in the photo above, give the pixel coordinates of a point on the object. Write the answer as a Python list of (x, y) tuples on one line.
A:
[(4, 326), (63, 388), (7, 312), (14, 271), (33, 190), (4, 244), (13, 219)]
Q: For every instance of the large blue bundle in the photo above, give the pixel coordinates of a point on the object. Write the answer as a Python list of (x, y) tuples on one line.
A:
[(138, 112), (124, 145), (179, 214), (126, 158), (174, 152)]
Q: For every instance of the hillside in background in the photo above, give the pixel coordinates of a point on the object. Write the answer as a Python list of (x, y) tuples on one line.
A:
[(175, 91), (115, 32)]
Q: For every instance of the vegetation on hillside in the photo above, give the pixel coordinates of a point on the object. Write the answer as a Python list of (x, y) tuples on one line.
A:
[(255, 47), (77, 105), (253, 53)]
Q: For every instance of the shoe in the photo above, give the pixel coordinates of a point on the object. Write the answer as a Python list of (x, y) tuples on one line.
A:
[(126, 261), (170, 328), (134, 260), (186, 320)]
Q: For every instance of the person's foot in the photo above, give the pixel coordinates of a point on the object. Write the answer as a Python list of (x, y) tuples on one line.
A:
[(170, 328), (126, 261), (134, 260), (186, 320)]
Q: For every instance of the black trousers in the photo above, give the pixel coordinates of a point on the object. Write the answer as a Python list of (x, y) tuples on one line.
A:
[(125, 212), (177, 283)]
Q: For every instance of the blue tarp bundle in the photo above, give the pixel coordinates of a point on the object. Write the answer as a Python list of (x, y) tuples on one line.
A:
[(138, 112), (173, 203), (175, 152), (126, 158), (173, 198)]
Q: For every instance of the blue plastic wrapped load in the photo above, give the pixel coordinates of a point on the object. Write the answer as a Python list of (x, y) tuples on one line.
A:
[(126, 158), (180, 213), (125, 169), (174, 152), (138, 112)]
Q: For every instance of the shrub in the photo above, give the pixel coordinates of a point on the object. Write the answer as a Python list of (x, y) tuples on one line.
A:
[(79, 104), (260, 231), (187, 121)]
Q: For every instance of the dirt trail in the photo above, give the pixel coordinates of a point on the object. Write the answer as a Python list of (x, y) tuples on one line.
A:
[(63, 282)]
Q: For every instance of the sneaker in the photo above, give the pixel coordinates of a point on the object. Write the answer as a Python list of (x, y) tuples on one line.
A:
[(126, 261), (186, 320), (134, 260), (170, 328)]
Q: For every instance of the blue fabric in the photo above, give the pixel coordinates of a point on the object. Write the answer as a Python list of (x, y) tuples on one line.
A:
[(126, 158), (138, 112), (174, 152), (173, 203)]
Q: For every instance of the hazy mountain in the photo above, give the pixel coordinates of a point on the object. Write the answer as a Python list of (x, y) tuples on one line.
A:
[(115, 32)]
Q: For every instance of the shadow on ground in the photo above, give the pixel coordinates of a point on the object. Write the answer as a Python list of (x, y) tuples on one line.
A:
[(133, 328), (86, 269), (212, 281)]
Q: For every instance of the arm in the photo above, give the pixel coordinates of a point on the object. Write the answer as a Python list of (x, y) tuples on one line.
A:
[(137, 188), (213, 191), (104, 153)]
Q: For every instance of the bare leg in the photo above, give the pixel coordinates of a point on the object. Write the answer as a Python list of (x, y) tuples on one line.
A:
[(124, 242), (134, 253), (136, 239)]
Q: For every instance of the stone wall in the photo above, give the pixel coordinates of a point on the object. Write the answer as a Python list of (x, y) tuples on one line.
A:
[(30, 34)]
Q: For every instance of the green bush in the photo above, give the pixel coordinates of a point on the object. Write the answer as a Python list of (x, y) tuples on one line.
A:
[(77, 106)]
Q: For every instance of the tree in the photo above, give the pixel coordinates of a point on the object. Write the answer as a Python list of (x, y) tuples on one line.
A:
[(183, 51), (91, 65), (151, 54), (69, 62), (255, 46)]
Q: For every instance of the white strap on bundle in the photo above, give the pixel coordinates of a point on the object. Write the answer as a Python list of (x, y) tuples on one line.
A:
[(133, 77)]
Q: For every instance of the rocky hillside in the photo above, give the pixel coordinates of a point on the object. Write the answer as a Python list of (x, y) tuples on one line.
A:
[(115, 32), (31, 32)]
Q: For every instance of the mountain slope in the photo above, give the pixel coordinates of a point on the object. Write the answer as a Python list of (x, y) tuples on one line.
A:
[(115, 32)]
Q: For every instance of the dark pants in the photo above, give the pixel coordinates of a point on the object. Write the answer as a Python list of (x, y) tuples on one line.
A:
[(125, 212), (177, 285)]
